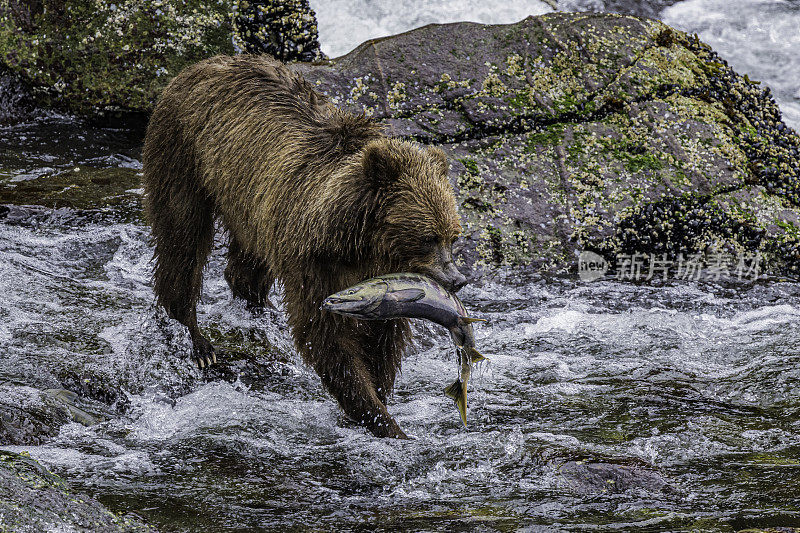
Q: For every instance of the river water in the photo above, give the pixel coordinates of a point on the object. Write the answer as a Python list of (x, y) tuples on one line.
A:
[(603, 405)]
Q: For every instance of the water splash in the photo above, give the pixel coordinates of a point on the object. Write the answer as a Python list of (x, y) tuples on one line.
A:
[(758, 38), (344, 24)]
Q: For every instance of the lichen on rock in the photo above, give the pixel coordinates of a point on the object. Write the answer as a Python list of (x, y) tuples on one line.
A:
[(572, 132), (90, 56), (285, 29)]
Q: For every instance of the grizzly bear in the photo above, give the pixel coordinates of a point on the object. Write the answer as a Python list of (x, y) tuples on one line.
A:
[(311, 196)]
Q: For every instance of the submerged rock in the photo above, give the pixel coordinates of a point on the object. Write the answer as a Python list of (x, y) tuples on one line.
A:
[(585, 477), (30, 416), (32, 500), (82, 187)]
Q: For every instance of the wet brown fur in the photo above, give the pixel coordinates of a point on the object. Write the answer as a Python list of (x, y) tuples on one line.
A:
[(313, 197)]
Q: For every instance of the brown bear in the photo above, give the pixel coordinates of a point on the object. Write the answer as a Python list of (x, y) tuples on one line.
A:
[(311, 196)]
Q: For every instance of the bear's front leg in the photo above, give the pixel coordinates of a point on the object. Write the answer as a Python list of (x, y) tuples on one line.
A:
[(337, 348), (348, 380)]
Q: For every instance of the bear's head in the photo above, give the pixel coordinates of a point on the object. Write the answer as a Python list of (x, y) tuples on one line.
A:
[(415, 212)]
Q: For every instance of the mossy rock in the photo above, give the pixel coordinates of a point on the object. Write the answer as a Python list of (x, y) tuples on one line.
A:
[(285, 29), (80, 188), (111, 56), (118, 54), (32, 499), (567, 132), (571, 132)]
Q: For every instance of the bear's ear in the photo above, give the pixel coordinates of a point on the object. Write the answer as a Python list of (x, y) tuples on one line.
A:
[(381, 166), (440, 158)]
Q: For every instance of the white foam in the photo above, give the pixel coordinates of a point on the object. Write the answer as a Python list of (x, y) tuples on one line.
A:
[(760, 38), (344, 24)]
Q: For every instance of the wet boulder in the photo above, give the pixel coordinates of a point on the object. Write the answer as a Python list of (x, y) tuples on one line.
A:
[(33, 499), (572, 132), (590, 477), (566, 132), (29, 416), (647, 8)]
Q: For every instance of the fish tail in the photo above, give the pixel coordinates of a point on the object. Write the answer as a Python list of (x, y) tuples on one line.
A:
[(458, 392)]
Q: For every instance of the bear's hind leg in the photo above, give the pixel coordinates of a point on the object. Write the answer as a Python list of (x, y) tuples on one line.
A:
[(183, 228), (248, 278)]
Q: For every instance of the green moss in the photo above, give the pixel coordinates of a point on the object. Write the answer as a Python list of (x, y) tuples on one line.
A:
[(553, 135), (470, 165), (520, 100), (773, 459), (789, 228), (108, 54), (639, 162)]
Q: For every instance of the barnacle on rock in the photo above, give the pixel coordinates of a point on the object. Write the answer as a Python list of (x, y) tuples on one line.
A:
[(108, 55), (285, 29)]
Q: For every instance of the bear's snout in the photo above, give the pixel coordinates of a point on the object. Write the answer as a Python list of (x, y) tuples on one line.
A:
[(457, 279), (448, 276)]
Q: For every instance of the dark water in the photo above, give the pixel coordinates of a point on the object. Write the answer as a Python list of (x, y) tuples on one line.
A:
[(604, 405)]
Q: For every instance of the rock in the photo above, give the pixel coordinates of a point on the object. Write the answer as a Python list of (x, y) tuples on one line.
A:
[(571, 132), (32, 500), (285, 29), (29, 416), (16, 101), (585, 477), (113, 57), (83, 187), (567, 132), (649, 9), (778, 529)]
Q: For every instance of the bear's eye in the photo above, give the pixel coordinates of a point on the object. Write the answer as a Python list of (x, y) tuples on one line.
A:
[(429, 240)]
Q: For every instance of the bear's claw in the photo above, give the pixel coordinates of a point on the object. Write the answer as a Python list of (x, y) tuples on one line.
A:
[(203, 353), (208, 360)]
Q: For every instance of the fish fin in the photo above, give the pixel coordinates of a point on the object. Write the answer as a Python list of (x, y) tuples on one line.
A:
[(470, 320), (475, 356), (458, 392), (453, 390), (407, 295)]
